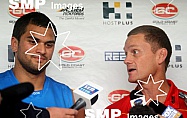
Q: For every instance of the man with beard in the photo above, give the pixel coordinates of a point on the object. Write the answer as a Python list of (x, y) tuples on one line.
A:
[(48, 93)]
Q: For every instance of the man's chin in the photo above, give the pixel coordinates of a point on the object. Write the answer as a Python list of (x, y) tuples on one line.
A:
[(132, 80)]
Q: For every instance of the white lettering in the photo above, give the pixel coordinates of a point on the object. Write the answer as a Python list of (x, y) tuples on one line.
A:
[(13, 5)]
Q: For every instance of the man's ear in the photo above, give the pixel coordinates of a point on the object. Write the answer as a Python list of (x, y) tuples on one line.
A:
[(14, 44), (161, 55)]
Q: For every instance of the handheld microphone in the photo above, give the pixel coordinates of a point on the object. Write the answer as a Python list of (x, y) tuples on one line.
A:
[(167, 112), (16, 92), (80, 103), (137, 99), (142, 110), (86, 95), (11, 99)]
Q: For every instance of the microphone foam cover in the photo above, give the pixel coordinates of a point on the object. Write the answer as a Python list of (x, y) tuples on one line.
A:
[(158, 109), (17, 92)]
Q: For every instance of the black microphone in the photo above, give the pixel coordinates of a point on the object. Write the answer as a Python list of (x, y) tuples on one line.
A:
[(168, 112), (16, 92), (133, 96), (11, 100), (80, 103), (136, 99), (141, 110)]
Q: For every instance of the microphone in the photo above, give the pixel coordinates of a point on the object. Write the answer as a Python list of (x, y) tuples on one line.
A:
[(11, 99), (167, 112), (80, 103), (142, 110), (16, 92), (86, 95), (137, 99)]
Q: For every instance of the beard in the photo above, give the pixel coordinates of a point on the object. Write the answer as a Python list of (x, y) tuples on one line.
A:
[(30, 67)]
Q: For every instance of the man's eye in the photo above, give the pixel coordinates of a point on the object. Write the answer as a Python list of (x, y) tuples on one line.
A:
[(32, 42), (135, 51), (49, 44)]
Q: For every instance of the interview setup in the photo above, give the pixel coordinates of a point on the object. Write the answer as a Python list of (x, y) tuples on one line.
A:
[(93, 59)]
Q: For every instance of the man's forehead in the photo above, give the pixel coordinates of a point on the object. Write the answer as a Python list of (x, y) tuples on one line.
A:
[(130, 46), (134, 41)]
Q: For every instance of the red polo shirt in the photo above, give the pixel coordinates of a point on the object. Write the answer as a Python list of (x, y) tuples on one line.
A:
[(172, 99)]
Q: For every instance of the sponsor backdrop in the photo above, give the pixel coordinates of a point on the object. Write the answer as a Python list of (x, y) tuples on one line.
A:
[(96, 30)]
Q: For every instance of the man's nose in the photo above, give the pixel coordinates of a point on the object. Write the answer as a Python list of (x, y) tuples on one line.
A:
[(128, 59), (40, 48)]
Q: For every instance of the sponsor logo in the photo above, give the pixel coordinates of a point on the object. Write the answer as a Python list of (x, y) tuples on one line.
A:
[(18, 12), (10, 54), (69, 11), (116, 95), (10, 57), (114, 13), (138, 102), (67, 55), (111, 10), (115, 56), (176, 60), (88, 89), (171, 112), (164, 10)]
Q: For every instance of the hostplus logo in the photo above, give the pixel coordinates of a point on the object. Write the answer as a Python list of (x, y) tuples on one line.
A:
[(114, 13), (10, 57), (176, 60)]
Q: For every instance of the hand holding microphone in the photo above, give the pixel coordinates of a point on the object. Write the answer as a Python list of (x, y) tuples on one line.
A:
[(167, 112)]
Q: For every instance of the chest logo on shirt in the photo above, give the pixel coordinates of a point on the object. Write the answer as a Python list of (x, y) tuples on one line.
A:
[(36, 93)]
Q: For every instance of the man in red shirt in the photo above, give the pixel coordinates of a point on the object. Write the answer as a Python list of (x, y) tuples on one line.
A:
[(148, 51)]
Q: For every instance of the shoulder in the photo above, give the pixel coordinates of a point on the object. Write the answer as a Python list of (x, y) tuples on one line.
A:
[(5, 79), (56, 84), (4, 74), (175, 98)]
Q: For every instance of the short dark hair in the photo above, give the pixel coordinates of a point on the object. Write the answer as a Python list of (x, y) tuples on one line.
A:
[(35, 18), (156, 37)]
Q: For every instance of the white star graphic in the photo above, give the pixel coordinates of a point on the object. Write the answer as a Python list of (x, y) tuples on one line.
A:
[(63, 44), (150, 99), (39, 110)]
